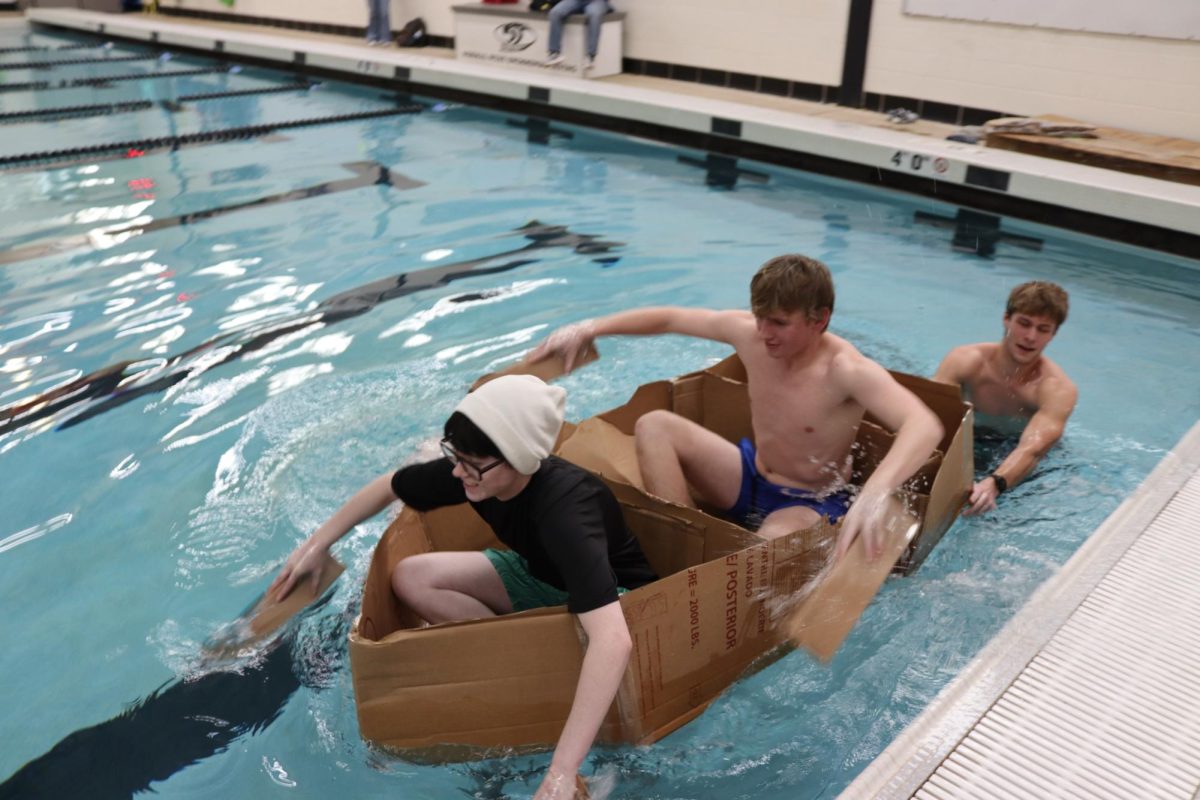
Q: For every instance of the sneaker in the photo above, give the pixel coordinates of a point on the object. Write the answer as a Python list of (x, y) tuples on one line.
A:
[(555, 59), (589, 63)]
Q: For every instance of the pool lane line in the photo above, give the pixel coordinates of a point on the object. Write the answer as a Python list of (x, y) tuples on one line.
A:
[(268, 138), (66, 62), (367, 173), (36, 48), (117, 384), (105, 109), (105, 83), (142, 146), (75, 112)]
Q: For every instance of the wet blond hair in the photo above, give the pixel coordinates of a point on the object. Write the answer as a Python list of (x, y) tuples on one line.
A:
[(791, 283), (1038, 299)]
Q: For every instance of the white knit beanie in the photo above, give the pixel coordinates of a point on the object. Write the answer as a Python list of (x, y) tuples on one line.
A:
[(521, 414)]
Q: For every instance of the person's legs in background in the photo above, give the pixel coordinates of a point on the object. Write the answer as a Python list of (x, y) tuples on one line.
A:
[(379, 24), (596, 9), (558, 16)]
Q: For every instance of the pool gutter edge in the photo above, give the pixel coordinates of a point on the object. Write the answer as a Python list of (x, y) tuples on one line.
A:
[(904, 766)]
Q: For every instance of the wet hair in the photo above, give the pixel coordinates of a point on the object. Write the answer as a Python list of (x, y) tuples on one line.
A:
[(466, 437), (1038, 299), (791, 283)]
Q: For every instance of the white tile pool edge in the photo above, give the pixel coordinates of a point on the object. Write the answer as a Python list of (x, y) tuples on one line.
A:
[(901, 769), (1173, 206)]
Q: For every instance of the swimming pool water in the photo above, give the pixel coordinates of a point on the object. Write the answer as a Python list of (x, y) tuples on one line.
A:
[(135, 523)]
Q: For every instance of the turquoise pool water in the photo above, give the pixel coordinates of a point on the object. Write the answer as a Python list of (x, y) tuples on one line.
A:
[(216, 381)]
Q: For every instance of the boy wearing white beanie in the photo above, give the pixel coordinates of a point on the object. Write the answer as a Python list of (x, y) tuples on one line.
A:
[(567, 542)]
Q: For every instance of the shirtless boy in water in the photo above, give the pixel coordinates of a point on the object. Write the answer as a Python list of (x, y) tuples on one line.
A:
[(808, 392), (1013, 379)]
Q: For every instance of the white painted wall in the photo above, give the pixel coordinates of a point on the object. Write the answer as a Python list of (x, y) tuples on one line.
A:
[(1125, 81), (799, 40), (1132, 82)]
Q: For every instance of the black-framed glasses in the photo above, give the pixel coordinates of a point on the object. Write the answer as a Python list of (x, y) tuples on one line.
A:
[(473, 472)]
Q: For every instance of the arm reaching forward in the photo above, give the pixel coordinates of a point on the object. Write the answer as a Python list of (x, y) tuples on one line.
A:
[(917, 431), (571, 340), (312, 556)]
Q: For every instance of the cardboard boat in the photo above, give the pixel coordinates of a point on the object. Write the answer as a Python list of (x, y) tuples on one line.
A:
[(468, 689)]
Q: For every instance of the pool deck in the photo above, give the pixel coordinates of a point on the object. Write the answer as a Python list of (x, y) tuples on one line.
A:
[(1090, 691)]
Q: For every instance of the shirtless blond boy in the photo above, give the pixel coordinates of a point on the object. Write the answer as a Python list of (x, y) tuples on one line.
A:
[(808, 392), (1013, 379)]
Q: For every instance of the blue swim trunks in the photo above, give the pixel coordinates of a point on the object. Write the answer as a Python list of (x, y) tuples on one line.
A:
[(759, 497)]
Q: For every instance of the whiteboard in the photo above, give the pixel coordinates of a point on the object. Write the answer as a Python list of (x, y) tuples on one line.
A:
[(1166, 19)]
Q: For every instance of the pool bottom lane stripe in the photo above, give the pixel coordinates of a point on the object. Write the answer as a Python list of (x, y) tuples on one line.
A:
[(367, 173), (119, 383), (172, 142)]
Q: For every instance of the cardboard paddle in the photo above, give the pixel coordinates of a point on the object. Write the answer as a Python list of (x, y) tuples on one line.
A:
[(824, 618), (264, 616), (548, 368)]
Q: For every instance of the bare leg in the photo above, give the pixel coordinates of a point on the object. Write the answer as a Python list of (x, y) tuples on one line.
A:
[(674, 453), (444, 587), (787, 520)]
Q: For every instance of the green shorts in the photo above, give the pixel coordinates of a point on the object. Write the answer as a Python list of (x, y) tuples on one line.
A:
[(524, 590)]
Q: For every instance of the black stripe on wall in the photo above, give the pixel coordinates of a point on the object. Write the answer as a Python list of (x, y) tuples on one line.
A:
[(290, 24), (854, 60)]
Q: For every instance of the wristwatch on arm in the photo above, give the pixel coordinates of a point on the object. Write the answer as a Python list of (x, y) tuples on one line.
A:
[(1001, 483)]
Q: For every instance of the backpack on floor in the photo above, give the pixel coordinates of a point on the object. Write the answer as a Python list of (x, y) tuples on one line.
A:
[(412, 34)]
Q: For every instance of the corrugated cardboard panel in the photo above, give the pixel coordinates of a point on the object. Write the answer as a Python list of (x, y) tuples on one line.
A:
[(468, 683), (381, 611), (950, 490), (648, 397), (825, 616), (602, 447)]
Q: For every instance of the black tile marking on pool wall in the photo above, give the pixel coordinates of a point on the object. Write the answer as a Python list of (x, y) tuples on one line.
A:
[(154, 36), (141, 146), (723, 171), (218, 46), (299, 59), (118, 384), (538, 94), (976, 232), (402, 73), (726, 127), (987, 178), (1138, 233), (539, 130)]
